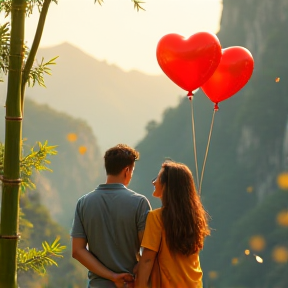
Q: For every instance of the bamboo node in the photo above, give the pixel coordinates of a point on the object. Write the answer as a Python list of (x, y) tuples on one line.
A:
[(13, 118), (10, 181), (16, 55), (14, 70), (18, 7), (17, 236)]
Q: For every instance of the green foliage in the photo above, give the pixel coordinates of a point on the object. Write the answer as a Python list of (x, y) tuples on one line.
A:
[(68, 272), (100, 2), (5, 5), (37, 73), (34, 259), (137, 4), (35, 3), (36, 160), (4, 48), (38, 260)]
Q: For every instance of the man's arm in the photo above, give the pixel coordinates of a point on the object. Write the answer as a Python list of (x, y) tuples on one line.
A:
[(140, 236), (80, 253)]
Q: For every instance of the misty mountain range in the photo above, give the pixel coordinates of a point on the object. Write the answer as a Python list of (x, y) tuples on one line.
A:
[(116, 104)]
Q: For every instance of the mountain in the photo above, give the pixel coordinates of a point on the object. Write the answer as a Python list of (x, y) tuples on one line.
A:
[(116, 104), (248, 151), (77, 168)]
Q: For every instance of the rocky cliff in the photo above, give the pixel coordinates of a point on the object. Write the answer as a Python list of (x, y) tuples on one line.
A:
[(261, 26)]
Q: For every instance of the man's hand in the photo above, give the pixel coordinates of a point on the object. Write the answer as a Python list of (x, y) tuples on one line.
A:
[(135, 269), (123, 280)]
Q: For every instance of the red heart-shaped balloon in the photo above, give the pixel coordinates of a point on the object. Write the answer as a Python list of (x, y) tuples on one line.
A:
[(189, 63), (234, 71)]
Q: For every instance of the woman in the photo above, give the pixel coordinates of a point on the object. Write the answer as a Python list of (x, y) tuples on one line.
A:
[(174, 234)]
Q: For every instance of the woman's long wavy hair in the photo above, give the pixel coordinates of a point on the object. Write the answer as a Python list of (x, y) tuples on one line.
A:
[(184, 218)]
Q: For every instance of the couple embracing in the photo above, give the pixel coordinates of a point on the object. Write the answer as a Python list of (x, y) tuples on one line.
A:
[(113, 222)]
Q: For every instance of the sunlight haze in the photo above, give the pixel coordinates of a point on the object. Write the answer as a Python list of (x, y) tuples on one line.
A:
[(117, 33)]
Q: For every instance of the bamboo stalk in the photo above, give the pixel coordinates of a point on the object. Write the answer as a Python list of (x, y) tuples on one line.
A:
[(12, 156)]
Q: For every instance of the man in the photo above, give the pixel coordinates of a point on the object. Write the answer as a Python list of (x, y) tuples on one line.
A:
[(111, 220)]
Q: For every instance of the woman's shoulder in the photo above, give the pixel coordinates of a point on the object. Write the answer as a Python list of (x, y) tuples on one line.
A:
[(154, 220), (156, 214), (157, 211)]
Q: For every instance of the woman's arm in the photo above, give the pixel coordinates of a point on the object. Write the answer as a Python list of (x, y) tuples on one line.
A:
[(145, 267), (80, 253)]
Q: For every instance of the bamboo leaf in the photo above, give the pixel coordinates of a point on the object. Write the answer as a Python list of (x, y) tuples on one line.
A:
[(36, 160), (100, 2), (56, 242), (5, 5), (37, 261), (36, 74), (137, 5), (4, 48)]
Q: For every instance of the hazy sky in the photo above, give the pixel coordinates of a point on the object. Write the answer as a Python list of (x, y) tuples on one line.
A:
[(117, 33)]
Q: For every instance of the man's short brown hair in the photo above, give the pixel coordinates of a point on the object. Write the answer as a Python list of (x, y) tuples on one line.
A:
[(119, 157)]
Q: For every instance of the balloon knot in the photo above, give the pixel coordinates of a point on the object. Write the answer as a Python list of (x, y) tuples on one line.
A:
[(216, 107), (190, 95)]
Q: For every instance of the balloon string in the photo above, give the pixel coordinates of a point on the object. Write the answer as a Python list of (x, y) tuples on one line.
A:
[(194, 141), (207, 149)]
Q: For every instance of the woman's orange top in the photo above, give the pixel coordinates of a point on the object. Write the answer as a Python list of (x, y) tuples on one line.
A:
[(174, 270)]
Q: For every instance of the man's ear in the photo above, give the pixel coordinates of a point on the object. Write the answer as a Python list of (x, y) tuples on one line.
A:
[(126, 170)]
